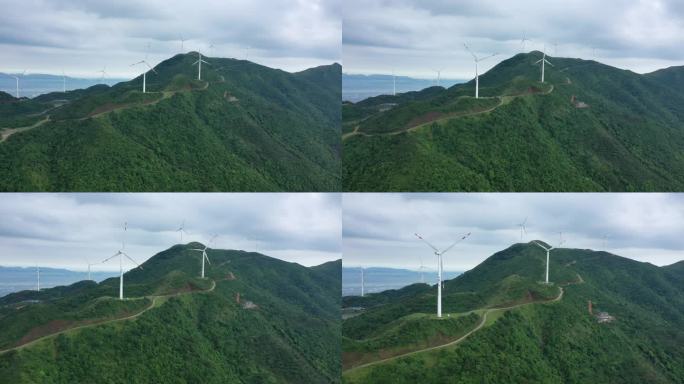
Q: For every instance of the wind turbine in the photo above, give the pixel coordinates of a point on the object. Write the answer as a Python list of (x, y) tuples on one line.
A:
[(63, 82), (439, 255), (439, 73), (549, 249), (182, 230), (89, 265), (121, 255), (104, 73), (199, 67), (543, 61), (363, 283), (17, 79), (477, 76), (524, 40), (422, 268), (522, 228), (182, 40), (144, 72), (204, 254)]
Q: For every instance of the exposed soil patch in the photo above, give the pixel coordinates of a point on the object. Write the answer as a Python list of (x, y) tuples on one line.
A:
[(426, 118)]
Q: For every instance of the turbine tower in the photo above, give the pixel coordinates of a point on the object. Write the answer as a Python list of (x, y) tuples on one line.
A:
[(182, 40), (422, 268), (121, 255), (477, 76), (104, 73), (548, 250), (199, 66), (524, 40), (144, 72), (363, 283), (543, 61), (17, 79), (204, 255), (522, 228), (440, 255), (439, 75), (181, 229)]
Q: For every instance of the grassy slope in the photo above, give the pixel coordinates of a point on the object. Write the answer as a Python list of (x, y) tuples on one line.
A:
[(253, 129), (292, 337), (560, 342), (628, 139)]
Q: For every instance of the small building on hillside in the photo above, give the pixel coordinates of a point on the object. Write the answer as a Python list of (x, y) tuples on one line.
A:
[(604, 317)]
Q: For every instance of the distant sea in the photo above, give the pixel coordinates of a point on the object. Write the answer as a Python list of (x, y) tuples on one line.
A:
[(359, 87), (382, 279), (15, 279), (33, 85)]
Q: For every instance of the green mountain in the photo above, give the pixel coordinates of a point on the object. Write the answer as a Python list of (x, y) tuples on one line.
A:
[(254, 319), (588, 127), (502, 324), (243, 127)]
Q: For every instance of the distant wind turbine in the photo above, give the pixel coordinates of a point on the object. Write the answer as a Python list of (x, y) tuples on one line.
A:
[(17, 79), (144, 72), (543, 61), (363, 283), (182, 230), (104, 73), (182, 40), (439, 73), (199, 63), (440, 272), (522, 228), (477, 76), (524, 40), (121, 255), (63, 82), (422, 268)]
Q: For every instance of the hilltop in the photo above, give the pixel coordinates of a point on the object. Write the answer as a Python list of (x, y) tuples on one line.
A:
[(243, 127), (588, 127), (253, 319), (501, 324)]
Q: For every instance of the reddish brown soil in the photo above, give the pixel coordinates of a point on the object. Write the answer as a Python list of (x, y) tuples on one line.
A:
[(426, 118)]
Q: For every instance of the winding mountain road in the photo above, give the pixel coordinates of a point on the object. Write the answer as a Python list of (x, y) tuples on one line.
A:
[(153, 303)]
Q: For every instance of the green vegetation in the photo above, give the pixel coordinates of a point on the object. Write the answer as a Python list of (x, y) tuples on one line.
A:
[(192, 333), (244, 127), (629, 138), (551, 342)]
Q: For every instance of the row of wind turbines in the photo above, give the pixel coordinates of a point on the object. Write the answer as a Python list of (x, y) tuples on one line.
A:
[(477, 59), (121, 254), (440, 260), (146, 68)]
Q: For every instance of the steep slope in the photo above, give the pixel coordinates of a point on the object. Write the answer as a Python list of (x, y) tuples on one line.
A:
[(253, 319), (243, 127), (556, 341), (589, 127)]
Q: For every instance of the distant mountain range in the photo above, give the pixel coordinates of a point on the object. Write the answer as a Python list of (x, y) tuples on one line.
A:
[(35, 84), (14, 279), (243, 127), (381, 279), (253, 319), (359, 87), (588, 127), (603, 319)]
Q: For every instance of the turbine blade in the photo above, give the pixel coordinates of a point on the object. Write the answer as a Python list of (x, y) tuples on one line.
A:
[(129, 258), (549, 63), (538, 61), (456, 242), (110, 257), (207, 257), (426, 242), (471, 52), (546, 249)]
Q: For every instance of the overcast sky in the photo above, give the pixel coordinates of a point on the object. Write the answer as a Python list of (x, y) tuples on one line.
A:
[(416, 37), (65, 230), (82, 36), (378, 229)]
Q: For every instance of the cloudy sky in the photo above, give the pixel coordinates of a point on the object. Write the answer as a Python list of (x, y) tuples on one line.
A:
[(416, 37), (65, 230), (82, 36), (378, 229)]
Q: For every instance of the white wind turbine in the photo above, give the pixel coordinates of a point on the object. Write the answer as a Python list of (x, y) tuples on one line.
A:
[(17, 79), (422, 269), (363, 283), (548, 250), (144, 72), (182, 40), (522, 228), (439, 75), (543, 61), (104, 73), (524, 40), (199, 67), (182, 230), (121, 255), (440, 255), (204, 254), (90, 265), (477, 76)]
